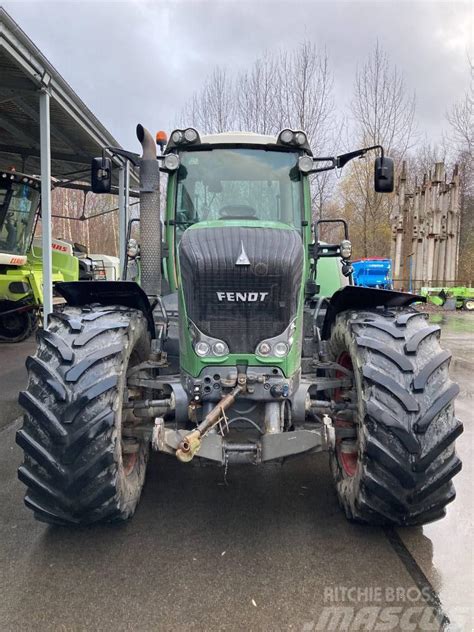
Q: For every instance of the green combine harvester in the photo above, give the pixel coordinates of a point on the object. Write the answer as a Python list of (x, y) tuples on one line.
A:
[(245, 343), (21, 276)]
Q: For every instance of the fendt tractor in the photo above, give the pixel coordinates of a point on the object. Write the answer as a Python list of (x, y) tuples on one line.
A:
[(246, 343), (21, 268)]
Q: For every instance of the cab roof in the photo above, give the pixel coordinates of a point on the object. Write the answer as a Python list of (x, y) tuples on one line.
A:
[(239, 138), (247, 139)]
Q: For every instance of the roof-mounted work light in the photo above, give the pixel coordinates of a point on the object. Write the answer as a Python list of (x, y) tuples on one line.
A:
[(183, 137), (293, 137)]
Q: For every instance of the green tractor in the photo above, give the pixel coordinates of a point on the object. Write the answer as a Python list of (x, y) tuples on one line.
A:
[(246, 342), (21, 276)]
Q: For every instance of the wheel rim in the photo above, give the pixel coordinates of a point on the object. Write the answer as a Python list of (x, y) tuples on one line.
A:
[(14, 325), (346, 448), (469, 305), (129, 461), (130, 447)]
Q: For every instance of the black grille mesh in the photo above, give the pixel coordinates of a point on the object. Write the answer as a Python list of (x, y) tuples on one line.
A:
[(208, 265)]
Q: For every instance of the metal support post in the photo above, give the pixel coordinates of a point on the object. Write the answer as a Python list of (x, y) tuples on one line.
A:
[(122, 220), (45, 147), (126, 208)]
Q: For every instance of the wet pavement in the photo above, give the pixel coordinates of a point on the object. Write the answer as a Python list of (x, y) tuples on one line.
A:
[(269, 551), (12, 377)]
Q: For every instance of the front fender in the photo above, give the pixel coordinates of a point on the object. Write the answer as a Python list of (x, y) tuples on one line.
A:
[(126, 293), (357, 297)]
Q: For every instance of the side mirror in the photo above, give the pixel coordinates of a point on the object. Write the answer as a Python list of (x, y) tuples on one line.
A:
[(383, 175), (101, 175)]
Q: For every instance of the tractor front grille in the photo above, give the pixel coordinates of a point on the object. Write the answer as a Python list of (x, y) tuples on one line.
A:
[(241, 304)]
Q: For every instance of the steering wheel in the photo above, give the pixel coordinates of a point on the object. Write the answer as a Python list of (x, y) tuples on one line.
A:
[(237, 211)]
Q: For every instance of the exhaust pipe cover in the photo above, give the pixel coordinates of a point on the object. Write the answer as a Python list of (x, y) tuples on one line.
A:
[(150, 221)]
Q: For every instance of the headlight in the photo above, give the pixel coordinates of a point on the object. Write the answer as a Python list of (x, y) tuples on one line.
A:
[(264, 349), (279, 346), (281, 349), (19, 287), (346, 249), (202, 348), (220, 348), (206, 346), (171, 162)]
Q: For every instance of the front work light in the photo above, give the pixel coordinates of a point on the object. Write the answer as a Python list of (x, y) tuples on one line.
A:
[(346, 249), (300, 138), (293, 137), (286, 136), (183, 137), (190, 135), (171, 162), (305, 164)]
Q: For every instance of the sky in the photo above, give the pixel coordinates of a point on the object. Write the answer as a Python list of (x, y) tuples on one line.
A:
[(132, 61)]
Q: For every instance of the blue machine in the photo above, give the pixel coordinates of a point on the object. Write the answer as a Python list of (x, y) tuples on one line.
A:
[(374, 272)]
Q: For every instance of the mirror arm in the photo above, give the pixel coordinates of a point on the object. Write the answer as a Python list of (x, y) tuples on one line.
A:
[(330, 159), (118, 151), (129, 155), (322, 169), (343, 159)]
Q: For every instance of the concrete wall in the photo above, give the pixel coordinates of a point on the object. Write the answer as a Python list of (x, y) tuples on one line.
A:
[(425, 230)]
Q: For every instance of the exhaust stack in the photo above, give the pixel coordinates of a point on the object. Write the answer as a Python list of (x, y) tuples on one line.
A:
[(150, 220)]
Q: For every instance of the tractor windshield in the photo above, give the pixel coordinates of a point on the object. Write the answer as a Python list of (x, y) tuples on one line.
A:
[(237, 183), (18, 204)]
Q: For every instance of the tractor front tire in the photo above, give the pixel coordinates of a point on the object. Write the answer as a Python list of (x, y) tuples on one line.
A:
[(78, 467), (394, 455)]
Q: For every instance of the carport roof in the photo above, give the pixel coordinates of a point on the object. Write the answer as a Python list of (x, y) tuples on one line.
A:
[(76, 134)]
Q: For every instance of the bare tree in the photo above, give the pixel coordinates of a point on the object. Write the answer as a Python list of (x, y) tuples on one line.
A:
[(461, 134), (382, 114), (461, 120), (292, 89), (255, 94), (381, 106), (213, 109)]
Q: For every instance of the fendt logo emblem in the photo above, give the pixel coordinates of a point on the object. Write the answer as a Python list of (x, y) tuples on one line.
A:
[(242, 259), (242, 297)]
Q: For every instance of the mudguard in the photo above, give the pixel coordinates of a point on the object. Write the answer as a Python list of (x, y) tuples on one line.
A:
[(357, 297), (126, 293)]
